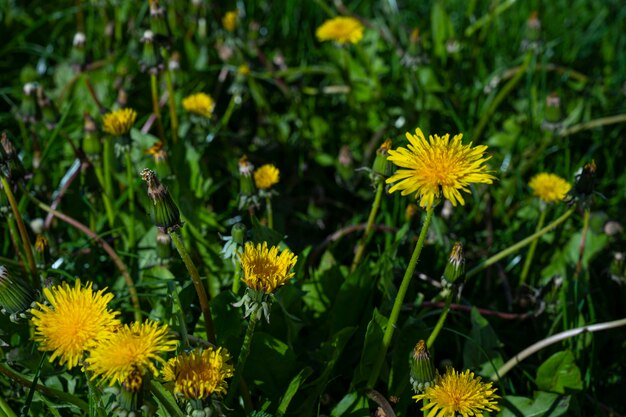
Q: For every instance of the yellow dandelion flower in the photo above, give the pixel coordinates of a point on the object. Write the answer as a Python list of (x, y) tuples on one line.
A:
[(199, 103), (264, 269), (119, 122), (459, 393), (76, 320), (229, 21), (243, 70), (198, 374), (340, 29), (550, 188), (266, 176), (438, 166), (130, 352)]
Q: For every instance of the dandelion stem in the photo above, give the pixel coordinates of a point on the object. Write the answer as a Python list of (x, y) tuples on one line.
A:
[(171, 286), (270, 214), (155, 106), (360, 249), (130, 177), (243, 355), (105, 197), (107, 248), (23, 232), (395, 312), (442, 319), (236, 280), (519, 245), (531, 250), (197, 282), (536, 347)]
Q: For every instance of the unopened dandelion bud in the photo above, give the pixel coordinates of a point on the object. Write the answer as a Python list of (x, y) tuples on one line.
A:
[(77, 54), (91, 141), (164, 244), (28, 109), (16, 295), (150, 60), (11, 165), (533, 27), (164, 211), (238, 232), (158, 24), (455, 268), (48, 111), (553, 108), (423, 372), (381, 165), (42, 250), (585, 182), (246, 185)]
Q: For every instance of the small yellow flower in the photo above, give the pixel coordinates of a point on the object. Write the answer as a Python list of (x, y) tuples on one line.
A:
[(130, 352), (341, 30), (199, 103), (76, 320), (266, 176), (550, 188), (198, 374), (438, 166), (264, 269), (243, 70), (459, 393), (119, 122), (229, 21)]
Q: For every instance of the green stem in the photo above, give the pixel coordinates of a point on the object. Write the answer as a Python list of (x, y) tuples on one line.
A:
[(531, 250), (519, 245), (130, 177), (500, 97), (236, 280), (620, 118), (360, 249), (397, 305), (50, 392), (171, 286), (105, 197), (107, 158), (270, 214), (583, 239), (442, 318), (21, 227), (155, 106), (171, 100), (243, 355), (197, 283)]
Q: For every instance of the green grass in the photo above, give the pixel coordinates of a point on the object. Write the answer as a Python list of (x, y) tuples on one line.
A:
[(319, 112)]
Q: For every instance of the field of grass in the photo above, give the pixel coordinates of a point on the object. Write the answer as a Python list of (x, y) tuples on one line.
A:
[(202, 209)]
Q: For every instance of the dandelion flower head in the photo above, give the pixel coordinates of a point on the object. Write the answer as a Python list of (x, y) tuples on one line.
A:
[(119, 122), (438, 166), (76, 320), (340, 29), (550, 188), (130, 352), (200, 373), (266, 176), (265, 269), (229, 21), (459, 394), (200, 103)]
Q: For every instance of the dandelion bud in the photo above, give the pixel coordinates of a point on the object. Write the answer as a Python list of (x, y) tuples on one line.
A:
[(47, 109), (150, 60), (91, 142), (585, 182), (158, 24), (553, 108), (423, 372), (229, 21), (164, 244), (455, 268), (12, 167), (533, 27), (411, 211), (28, 108), (164, 212), (238, 232), (77, 54), (381, 165), (246, 186), (42, 250), (16, 295)]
